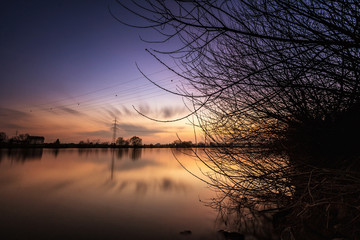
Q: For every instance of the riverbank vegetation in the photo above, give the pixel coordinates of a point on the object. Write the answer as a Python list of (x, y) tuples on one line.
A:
[(26, 141)]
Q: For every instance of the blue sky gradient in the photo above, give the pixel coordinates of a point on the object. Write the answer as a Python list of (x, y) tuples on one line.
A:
[(68, 69)]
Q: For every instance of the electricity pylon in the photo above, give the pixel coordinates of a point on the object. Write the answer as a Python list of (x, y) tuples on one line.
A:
[(114, 132)]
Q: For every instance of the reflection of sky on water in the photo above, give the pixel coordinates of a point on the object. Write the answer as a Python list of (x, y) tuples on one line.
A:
[(143, 194), (142, 187)]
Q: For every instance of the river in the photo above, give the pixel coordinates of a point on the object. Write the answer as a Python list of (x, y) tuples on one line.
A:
[(102, 194)]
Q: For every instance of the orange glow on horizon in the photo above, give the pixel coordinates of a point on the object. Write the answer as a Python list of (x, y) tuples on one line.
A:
[(71, 128)]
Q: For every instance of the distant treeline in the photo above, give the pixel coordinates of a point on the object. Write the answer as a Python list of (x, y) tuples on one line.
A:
[(25, 141), (103, 145)]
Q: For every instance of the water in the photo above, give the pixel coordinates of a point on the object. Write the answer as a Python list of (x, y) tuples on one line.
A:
[(101, 194)]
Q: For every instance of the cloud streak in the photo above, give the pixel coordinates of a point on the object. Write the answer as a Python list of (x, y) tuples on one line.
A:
[(99, 133), (11, 113), (14, 119), (136, 129), (70, 111), (173, 112), (163, 113)]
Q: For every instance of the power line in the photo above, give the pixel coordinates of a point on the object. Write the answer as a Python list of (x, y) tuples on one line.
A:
[(114, 97), (104, 88)]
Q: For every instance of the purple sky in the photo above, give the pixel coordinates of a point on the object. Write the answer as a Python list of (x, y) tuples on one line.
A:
[(68, 69)]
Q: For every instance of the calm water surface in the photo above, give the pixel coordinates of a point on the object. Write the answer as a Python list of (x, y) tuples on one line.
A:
[(101, 194)]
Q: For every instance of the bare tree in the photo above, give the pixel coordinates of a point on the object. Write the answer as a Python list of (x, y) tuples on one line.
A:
[(275, 84)]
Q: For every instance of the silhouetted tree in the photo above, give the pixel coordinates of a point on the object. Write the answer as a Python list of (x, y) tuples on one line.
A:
[(135, 141), (122, 142), (23, 138), (279, 80), (180, 144), (3, 137)]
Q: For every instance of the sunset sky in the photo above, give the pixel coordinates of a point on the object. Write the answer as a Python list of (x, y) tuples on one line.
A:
[(68, 69)]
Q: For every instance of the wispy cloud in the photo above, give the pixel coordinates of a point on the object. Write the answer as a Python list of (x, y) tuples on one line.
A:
[(12, 113), (128, 111), (113, 112), (145, 109), (14, 119), (166, 112), (173, 112), (163, 113), (136, 129), (99, 133), (60, 110), (7, 125), (70, 111)]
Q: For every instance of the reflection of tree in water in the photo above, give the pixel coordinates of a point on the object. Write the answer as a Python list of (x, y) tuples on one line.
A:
[(55, 152), (88, 151), (121, 153), (180, 152), (22, 154), (135, 153)]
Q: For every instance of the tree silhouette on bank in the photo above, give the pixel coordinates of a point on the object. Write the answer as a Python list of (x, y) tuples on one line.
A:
[(133, 141), (3, 137), (281, 78), (122, 142)]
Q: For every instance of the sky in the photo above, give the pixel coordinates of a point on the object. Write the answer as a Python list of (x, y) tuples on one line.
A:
[(69, 69)]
